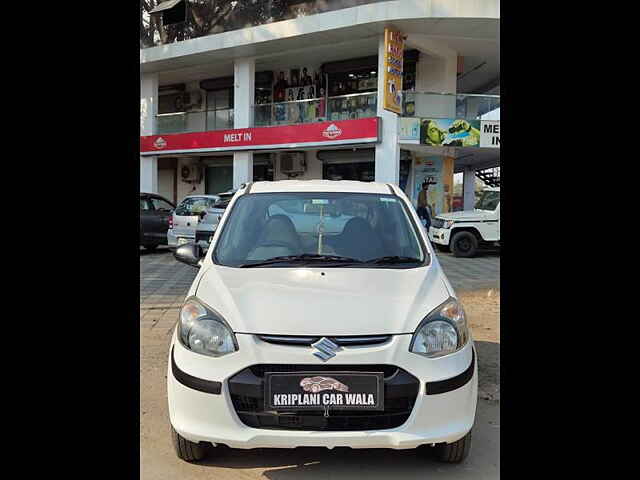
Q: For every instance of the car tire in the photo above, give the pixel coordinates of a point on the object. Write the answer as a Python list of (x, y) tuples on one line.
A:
[(442, 248), (464, 244), (454, 452), (186, 450)]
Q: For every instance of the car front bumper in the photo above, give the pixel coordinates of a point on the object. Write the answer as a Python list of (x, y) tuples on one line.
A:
[(204, 411), (173, 240), (439, 235)]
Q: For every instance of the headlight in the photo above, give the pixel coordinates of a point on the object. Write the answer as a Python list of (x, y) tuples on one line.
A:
[(204, 331), (447, 224), (442, 332)]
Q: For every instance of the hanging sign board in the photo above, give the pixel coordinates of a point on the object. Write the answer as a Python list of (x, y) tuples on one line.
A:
[(393, 60), (490, 133)]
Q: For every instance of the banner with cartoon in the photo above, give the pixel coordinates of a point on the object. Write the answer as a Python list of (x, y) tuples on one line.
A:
[(440, 132), (432, 185)]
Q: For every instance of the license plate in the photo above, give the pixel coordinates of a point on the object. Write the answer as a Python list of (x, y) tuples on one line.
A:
[(182, 241), (324, 391)]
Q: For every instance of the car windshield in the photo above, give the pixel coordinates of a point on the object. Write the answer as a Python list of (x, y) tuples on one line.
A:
[(194, 205), (329, 229), (488, 201)]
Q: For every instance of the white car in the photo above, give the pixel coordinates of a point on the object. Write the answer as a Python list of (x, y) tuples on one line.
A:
[(185, 218), (276, 305), (463, 233), (209, 221)]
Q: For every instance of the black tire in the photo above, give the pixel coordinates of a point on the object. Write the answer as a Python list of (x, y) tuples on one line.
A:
[(442, 248), (186, 450), (464, 244), (454, 452)]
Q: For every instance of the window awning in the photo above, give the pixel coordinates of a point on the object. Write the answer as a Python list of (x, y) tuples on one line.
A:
[(165, 6)]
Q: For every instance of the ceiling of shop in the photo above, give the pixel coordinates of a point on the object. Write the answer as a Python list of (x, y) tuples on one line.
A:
[(477, 40)]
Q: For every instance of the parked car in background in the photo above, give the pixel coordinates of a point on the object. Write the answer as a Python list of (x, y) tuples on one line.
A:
[(185, 218), (209, 221), (155, 212), (464, 233)]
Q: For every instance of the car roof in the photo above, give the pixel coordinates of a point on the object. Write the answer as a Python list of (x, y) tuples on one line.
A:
[(202, 196), (319, 186)]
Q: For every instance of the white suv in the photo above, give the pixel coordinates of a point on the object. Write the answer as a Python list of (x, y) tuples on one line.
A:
[(320, 316), (463, 233)]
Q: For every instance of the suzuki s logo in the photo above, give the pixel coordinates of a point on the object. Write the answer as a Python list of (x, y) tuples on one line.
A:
[(332, 131), (160, 143), (325, 349)]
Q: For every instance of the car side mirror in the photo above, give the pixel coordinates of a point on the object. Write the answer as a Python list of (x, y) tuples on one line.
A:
[(189, 253)]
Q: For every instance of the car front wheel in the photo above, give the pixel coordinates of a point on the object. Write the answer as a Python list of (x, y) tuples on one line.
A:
[(186, 450), (454, 452), (464, 244)]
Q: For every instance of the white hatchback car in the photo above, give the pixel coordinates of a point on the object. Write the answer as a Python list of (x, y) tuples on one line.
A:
[(357, 305)]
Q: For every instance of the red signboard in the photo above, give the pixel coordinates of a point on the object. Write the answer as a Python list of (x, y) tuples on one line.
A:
[(364, 130)]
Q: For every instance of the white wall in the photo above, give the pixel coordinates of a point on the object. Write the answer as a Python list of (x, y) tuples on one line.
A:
[(314, 168), (184, 188), (165, 183)]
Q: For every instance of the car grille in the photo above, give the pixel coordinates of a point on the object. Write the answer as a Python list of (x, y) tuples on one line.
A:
[(247, 395), (437, 223), (341, 341)]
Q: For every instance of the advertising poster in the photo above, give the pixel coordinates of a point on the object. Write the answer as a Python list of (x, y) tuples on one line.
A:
[(304, 87), (393, 58), (409, 130), (450, 132), (490, 133), (433, 184)]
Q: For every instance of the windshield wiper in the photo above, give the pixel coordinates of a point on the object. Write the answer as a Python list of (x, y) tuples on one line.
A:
[(304, 258), (391, 259)]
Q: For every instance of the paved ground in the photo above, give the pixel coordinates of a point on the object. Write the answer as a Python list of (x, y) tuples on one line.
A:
[(163, 285)]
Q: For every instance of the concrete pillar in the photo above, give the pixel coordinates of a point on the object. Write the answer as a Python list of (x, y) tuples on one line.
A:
[(148, 126), (468, 189), (436, 72), (149, 174), (244, 73), (387, 161)]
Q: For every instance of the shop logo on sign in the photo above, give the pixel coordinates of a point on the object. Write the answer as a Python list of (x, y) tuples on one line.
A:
[(160, 143), (332, 131)]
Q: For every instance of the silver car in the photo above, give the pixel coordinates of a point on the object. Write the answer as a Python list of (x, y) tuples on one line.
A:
[(209, 222), (185, 218)]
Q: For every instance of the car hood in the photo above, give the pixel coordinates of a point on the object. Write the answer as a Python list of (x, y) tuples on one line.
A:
[(470, 215), (323, 302)]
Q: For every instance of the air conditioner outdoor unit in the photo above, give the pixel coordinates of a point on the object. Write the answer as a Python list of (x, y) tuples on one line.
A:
[(292, 163), (191, 173)]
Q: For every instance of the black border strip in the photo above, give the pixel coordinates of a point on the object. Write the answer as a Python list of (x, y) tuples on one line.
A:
[(444, 386), (206, 386)]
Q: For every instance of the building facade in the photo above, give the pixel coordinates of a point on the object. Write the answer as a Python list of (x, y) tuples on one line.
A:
[(248, 90)]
